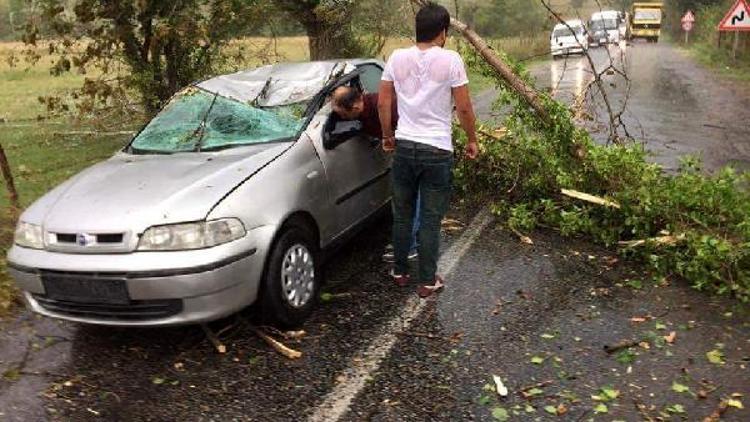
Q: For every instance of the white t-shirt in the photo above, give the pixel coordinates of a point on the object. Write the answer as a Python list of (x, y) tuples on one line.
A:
[(423, 80)]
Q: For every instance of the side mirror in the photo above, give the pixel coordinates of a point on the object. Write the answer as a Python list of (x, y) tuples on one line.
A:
[(337, 131)]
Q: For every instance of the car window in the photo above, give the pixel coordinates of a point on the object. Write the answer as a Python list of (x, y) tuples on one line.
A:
[(566, 32), (370, 77), (180, 126)]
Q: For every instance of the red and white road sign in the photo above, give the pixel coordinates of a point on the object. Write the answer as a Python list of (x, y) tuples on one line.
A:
[(687, 26), (689, 17), (738, 18)]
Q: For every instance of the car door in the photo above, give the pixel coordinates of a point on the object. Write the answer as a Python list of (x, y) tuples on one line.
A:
[(357, 170)]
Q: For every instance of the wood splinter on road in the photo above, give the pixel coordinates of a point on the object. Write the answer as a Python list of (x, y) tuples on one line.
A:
[(280, 347), (214, 339), (589, 198)]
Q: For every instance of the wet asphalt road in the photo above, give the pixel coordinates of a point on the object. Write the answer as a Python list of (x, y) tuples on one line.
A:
[(559, 301), (675, 106)]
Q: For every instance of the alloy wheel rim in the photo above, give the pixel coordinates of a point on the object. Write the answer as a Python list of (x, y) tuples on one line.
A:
[(297, 276)]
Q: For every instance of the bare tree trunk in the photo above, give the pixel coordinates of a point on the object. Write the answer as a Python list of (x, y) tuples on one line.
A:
[(517, 84), (327, 40), (9, 184)]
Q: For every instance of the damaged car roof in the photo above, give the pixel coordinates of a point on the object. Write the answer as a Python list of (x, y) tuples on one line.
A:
[(279, 84)]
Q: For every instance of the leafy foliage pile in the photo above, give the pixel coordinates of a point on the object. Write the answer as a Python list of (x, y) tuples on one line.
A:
[(708, 217)]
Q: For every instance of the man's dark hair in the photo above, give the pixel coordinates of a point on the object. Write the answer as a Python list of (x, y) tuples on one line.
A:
[(432, 19), (345, 98)]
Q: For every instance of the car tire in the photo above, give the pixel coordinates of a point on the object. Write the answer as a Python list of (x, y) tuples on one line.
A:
[(292, 278)]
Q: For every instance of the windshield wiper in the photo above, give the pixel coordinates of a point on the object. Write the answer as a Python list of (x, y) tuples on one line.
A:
[(202, 127)]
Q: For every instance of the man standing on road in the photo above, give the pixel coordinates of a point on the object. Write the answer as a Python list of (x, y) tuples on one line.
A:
[(425, 80), (349, 103)]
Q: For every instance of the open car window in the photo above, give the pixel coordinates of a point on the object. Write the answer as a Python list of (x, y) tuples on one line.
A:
[(200, 120)]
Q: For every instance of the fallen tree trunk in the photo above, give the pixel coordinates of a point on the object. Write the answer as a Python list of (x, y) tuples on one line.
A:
[(527, 92)]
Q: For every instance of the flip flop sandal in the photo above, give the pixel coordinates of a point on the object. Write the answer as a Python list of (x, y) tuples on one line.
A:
[(427, 290)]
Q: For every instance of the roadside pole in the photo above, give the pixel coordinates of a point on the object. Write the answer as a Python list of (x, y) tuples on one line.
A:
[(736, 45), (687, 24)]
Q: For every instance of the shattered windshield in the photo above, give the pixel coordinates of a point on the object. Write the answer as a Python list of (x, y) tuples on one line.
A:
[(197, 120)]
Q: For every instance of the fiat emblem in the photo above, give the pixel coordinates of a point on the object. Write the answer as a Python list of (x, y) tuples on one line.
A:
[(83, 239)]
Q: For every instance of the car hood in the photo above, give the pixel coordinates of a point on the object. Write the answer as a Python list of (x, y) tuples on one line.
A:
[(129, 193)]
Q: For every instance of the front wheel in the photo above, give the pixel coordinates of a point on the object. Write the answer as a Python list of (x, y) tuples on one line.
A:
[(292, 278)]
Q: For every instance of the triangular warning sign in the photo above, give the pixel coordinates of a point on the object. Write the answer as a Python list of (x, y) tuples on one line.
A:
[(738, 18)]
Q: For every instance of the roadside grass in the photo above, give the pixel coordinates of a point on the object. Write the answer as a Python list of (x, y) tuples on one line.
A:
[(721, 61)]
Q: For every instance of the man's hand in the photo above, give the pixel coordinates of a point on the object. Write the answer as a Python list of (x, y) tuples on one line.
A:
[(389, 143), (472, 150)]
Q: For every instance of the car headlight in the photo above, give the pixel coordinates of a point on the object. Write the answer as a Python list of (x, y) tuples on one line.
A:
[(185, 236), (29, 235)]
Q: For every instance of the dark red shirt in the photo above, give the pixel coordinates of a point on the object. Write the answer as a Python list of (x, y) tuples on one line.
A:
[(371, 119)]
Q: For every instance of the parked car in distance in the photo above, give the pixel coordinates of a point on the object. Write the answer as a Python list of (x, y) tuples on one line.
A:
[(568, 38), (229, 196), (604, 27)]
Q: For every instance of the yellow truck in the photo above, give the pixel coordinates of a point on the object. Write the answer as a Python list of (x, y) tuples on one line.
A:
[(645, 21)]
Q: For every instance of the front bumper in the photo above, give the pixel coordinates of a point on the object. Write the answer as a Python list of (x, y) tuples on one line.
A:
[(186, 287), (567, 50)]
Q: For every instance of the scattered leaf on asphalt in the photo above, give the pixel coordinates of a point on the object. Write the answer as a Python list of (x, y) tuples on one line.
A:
[(715, 356), (157, 380), (671, 337), (676, 408), (499, 386), (562, 409), (606, 394), (537, 360), (680, 388), (638, 319), (547, 336), (552, 410), (500, 414), (532, 392), (326, 297), (660, 326), (735, 403), (601, 408)]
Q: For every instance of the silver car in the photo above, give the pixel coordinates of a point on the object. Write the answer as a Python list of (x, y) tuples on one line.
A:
[(230, 195)]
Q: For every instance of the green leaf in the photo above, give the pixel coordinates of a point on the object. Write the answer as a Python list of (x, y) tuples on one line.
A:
[(715, 356), (500, 414), (157, 380), (530, 409), (534, 391), (601, 408), (537, 360), (676, 408), (484, 400), (660, 326), (735, 403), (610, 393), (676, 386), (552, 410), (326, 297)]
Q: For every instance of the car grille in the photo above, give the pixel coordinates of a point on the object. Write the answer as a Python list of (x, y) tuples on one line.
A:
[(105, 238), (136, 310)]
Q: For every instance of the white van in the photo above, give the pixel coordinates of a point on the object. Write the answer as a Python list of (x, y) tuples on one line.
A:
[(569, 38), (604, 27)]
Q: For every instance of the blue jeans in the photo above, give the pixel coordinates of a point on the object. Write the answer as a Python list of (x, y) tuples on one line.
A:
[(423, 171), (415, 227)]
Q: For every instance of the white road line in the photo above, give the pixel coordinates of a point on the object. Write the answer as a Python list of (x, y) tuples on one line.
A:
[(353, 379)]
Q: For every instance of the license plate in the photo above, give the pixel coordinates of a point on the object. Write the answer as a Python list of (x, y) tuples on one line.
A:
[(73, 288)]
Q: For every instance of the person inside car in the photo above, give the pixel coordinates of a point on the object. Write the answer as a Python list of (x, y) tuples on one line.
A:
[(349, 103)]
